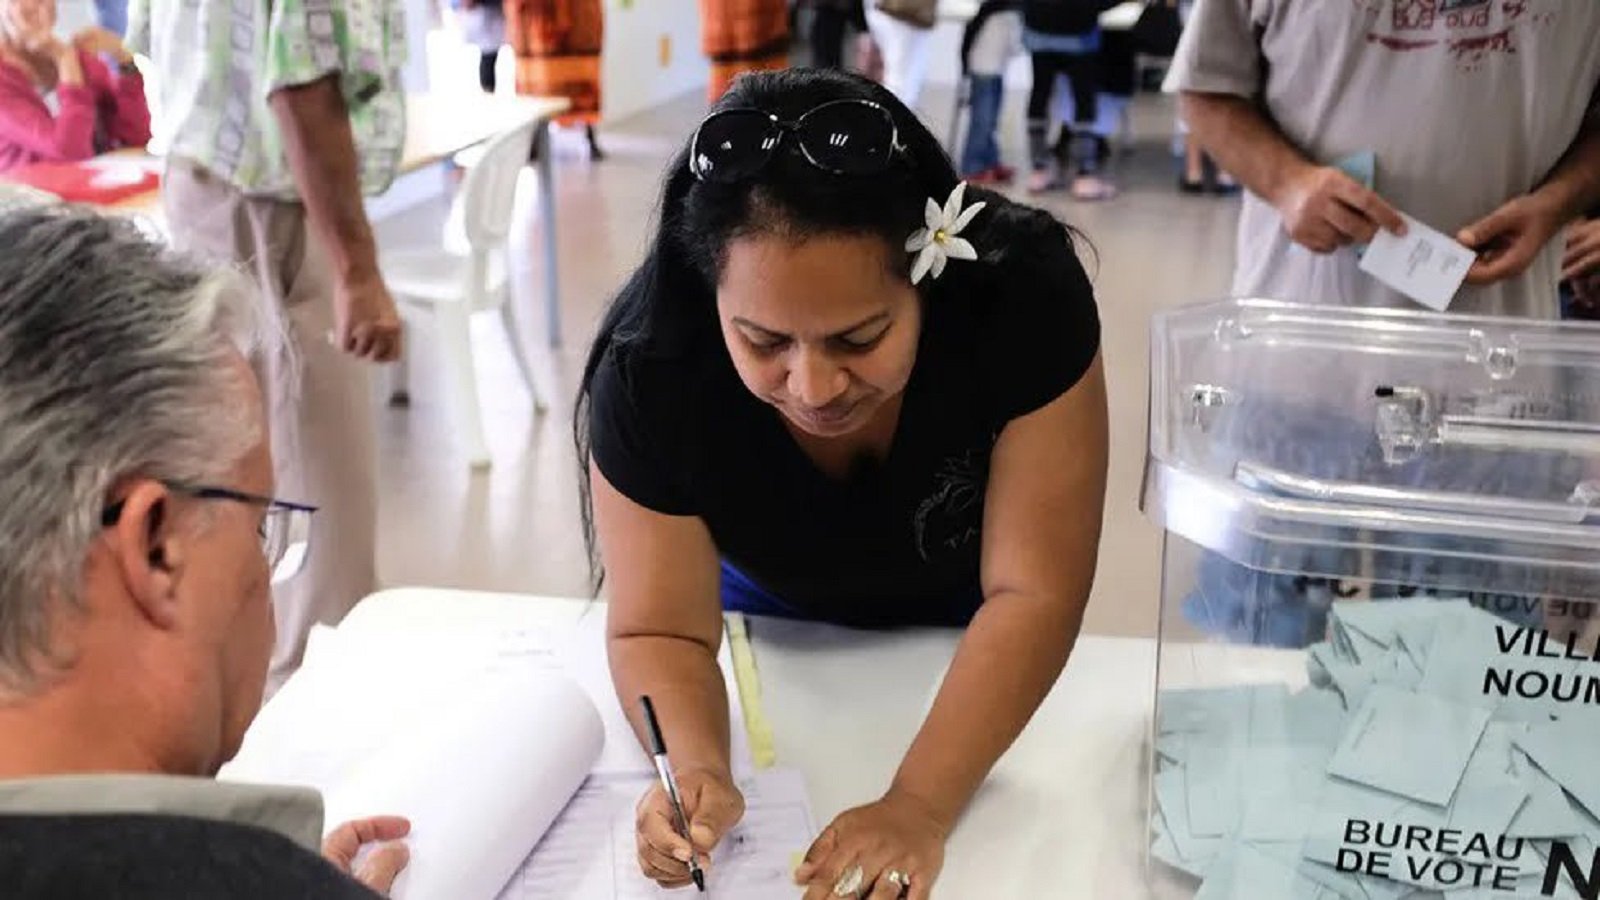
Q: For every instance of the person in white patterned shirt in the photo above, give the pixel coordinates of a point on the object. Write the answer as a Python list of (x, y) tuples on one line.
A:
[(277, 117)]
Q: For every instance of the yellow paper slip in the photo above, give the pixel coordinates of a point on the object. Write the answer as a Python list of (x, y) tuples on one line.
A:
[(748, 679)]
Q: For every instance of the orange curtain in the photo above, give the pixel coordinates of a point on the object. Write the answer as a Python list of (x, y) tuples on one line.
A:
[(743, 36), (558, 45)]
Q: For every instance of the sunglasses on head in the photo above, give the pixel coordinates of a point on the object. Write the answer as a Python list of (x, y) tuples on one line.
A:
[(840, 137)]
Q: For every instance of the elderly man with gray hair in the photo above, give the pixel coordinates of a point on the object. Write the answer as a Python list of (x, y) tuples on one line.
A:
[(138, 543)]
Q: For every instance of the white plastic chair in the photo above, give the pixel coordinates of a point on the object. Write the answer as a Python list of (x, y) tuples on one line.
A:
[(453, 282)]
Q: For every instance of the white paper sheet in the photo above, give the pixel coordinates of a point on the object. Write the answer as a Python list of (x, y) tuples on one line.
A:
[(575, 649), (589, 854), (480, 758), (517, 750), (1426, 265), (481, 737)]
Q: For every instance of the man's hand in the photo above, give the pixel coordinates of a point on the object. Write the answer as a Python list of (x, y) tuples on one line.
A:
[(1508, 239), (366, 323), (1324, 209), (317, 138), (384, 864), (100, 40), (1582, 260)]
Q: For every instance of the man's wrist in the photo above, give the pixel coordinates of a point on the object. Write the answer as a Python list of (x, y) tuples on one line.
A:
[(1563, 201), (355, 260), (1282, 180)]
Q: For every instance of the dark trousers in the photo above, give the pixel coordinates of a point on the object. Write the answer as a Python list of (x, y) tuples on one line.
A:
[(828, 25), (486, 70), (1083, 69)]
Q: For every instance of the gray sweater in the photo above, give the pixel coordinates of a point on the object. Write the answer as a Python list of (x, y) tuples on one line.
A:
[(159, 857)]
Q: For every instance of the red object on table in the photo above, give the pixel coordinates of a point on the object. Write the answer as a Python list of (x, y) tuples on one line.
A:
[(102, 181)]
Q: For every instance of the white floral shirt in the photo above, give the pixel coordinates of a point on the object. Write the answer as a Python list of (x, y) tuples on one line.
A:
[(217, 61)]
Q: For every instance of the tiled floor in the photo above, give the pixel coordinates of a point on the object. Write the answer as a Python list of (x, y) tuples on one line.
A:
[(516, 526)]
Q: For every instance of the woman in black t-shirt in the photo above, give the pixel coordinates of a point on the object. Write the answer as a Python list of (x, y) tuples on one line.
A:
[(841, 386)]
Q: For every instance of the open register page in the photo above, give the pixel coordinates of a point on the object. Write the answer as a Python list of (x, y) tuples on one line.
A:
[(511, 755)]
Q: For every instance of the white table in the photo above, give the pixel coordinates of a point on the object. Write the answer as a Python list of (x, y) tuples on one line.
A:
[(1062, 814), (1118, 18)]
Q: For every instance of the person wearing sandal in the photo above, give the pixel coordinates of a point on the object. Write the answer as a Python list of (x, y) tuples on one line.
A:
[(1200, 172), (1064, 38), (991, 40)]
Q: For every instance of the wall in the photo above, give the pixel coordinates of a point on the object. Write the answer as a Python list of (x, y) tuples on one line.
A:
[(634, 78)]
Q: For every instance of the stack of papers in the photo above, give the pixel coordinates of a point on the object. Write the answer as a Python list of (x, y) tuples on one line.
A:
[(1440, 752)]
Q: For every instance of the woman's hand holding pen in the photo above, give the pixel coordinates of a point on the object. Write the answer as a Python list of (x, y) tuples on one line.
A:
[(711, 803)]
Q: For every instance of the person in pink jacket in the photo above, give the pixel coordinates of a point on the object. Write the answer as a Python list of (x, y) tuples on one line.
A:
[(60, 101)]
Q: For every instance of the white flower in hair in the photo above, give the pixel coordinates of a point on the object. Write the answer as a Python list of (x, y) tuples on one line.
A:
[(941, 240)]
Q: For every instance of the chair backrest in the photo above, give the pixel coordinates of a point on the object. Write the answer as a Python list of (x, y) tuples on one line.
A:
[(489, 192)]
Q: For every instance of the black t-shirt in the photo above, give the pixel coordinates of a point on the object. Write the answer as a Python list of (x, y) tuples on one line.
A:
[(896, 544)]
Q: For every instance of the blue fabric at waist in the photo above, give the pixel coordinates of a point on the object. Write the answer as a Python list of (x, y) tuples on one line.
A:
[(741, 594), (1075, 44)]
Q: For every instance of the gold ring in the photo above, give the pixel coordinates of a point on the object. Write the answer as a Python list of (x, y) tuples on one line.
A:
[(849, 884)]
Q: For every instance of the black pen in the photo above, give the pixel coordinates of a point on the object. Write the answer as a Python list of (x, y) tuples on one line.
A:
[(658, 750)]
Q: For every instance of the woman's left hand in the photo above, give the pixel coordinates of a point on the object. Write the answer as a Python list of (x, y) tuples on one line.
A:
[(898, 834)]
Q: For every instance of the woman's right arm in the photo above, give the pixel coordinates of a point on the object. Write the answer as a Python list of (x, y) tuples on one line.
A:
[(662, 635), (67, 136)]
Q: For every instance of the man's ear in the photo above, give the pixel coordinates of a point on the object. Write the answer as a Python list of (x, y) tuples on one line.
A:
[(148, 551)]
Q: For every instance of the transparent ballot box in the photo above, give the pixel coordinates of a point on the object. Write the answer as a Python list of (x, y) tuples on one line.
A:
[(1378, 675)]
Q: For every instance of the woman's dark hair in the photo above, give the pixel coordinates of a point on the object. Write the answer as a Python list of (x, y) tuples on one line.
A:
[(668, 306)]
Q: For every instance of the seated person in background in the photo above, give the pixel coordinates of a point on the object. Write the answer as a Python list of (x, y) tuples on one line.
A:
[(830, 392), (138, 541), (58, 101)]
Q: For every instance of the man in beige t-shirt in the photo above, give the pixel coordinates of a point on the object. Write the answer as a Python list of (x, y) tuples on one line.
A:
[(1480, 114)]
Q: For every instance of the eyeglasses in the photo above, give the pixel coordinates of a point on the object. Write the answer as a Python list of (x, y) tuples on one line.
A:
[(285, 530), (840, 137)]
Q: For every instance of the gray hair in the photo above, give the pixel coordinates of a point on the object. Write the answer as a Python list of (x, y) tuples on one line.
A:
[(113, 363)]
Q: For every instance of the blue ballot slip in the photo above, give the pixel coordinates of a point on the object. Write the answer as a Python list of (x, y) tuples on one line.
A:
[(1401, 772), (1363, 167), (1408, 744)]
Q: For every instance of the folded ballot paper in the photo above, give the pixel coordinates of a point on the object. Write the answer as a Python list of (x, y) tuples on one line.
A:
[(511, 756), (1439, 752)]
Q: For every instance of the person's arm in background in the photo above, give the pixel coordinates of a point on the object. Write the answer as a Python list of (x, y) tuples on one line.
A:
[(1044, 503), (322, 153), (1218, 73), (1323, 208), (25, 122), (122, 94), (1509, 239)]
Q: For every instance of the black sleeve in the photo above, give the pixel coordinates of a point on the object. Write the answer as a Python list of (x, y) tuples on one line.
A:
[(629, 443), (1042, 333)]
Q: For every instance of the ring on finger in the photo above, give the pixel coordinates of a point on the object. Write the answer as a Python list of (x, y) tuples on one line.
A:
[(897, 878), (849, 883)]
